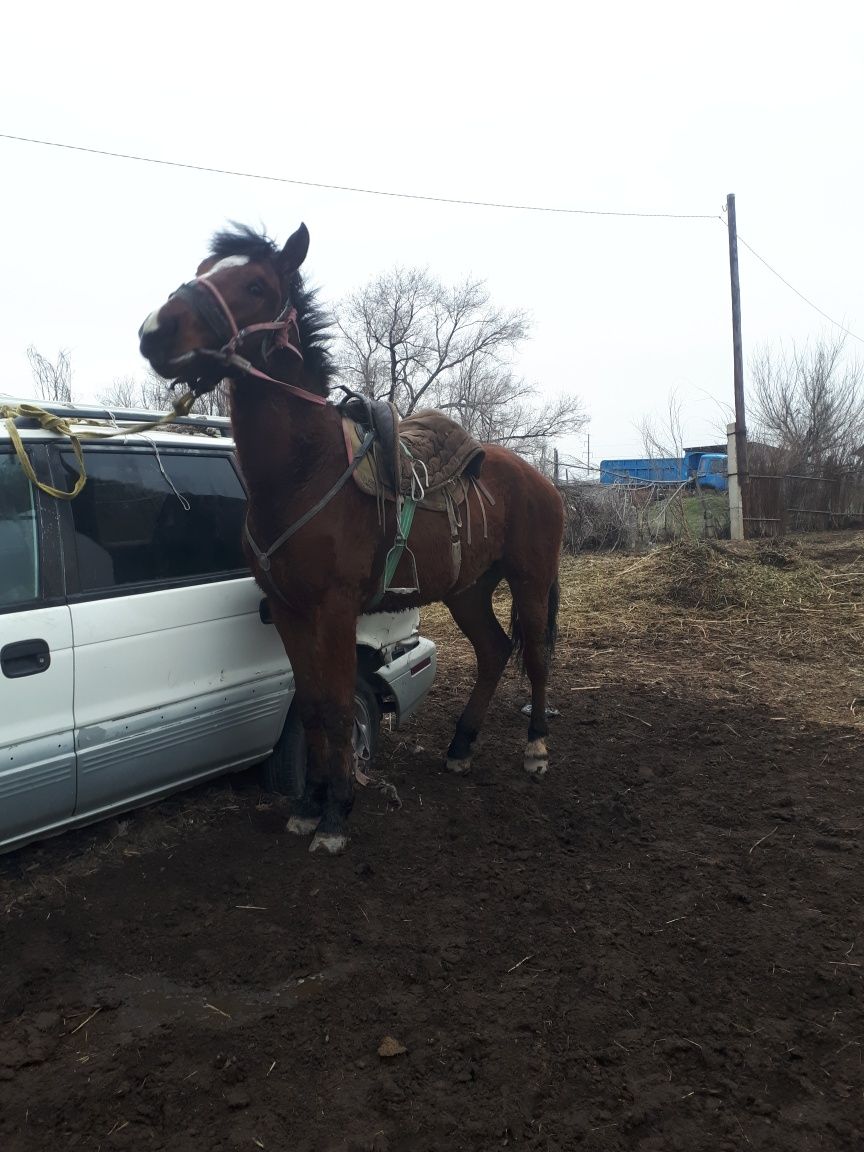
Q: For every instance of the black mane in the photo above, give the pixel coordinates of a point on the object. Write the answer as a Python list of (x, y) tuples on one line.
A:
[(312, 320)]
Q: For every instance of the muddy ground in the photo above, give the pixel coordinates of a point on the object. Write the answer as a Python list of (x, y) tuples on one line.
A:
[(660, 946)]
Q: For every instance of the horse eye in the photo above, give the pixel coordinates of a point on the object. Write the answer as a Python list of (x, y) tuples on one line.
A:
[(256, 289)]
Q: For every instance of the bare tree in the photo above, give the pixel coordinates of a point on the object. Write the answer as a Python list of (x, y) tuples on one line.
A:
[(149, 392), (809, 402), (154, 394), (53, 378), (499, 408), (409, 339), (214, 403), (664, 439)]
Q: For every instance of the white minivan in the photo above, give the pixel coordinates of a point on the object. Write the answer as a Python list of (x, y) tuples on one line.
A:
[(136, 652)]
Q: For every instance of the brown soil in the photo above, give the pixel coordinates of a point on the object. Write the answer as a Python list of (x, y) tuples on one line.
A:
[(658, 947)]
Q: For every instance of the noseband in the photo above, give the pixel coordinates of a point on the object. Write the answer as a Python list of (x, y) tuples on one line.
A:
[(208, 303)]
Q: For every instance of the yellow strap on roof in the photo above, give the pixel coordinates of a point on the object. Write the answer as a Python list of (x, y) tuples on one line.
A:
[(52, 422)]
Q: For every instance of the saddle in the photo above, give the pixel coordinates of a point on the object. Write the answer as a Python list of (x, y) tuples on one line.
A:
[(427, 457), (425, 461)]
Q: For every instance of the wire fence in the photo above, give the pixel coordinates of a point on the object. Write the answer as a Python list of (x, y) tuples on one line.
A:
[(788, 494), (780, 504), (609, 516)]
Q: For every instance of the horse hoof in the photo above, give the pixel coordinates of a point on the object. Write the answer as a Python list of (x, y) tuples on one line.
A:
[(333, 843), (536, 758), (302, 825), (460, 767)]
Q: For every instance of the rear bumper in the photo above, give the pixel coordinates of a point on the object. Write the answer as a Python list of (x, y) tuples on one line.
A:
[(408, 678)]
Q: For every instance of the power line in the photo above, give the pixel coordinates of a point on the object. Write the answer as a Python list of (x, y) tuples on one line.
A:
[(361, 191), (548, 208), (792, 288), (836, 323)]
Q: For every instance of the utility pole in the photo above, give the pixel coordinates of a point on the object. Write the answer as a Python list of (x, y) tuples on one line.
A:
[(556, 467), (739, 482), (588, 458)]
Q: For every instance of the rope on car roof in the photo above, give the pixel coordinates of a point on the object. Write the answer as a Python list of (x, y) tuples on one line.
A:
[(61, 425)]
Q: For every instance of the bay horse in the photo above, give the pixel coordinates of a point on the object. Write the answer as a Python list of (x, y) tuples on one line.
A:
[(249, 295)]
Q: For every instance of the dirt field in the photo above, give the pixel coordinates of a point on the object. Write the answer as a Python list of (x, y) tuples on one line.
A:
[(658, 947)]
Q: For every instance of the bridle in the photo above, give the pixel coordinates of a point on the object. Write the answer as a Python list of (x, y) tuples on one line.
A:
[(208, 303)]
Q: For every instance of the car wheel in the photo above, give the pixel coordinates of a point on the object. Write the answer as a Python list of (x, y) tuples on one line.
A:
[(284, 770), (367, 725)]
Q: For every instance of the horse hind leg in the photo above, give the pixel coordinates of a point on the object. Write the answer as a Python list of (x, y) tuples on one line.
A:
[(533, 626), (473, 613)]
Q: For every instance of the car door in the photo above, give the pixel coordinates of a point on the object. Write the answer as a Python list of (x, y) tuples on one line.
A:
[(176, 676), (37, 756)]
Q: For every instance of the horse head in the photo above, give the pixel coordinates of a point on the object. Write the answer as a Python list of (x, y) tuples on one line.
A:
[(243, 305)]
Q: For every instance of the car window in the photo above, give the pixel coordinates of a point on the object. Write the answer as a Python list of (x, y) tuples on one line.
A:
[(133, 527), (19, 552)]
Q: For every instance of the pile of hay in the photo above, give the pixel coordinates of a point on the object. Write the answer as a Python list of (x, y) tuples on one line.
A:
[(718, 588), (704, 575), (700, 574)]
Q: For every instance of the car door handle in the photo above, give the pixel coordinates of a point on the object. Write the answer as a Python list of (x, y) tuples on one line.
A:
[(25, 658)]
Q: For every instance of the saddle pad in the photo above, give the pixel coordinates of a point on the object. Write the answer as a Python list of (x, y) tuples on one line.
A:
[(435, 450)]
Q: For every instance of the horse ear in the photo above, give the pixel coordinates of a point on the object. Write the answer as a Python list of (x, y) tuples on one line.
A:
[(294, 252)]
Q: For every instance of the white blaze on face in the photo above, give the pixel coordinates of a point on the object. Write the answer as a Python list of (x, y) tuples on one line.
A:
[(228, 262), (151, 323)]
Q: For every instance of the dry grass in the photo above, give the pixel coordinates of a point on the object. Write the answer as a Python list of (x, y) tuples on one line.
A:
[(776, 622), (711, 577), (764, 581)]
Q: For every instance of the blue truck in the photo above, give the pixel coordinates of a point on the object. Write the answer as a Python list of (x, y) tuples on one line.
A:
[(702, 467)]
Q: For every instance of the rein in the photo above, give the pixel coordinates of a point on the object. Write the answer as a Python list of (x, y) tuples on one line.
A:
[(263, 556)]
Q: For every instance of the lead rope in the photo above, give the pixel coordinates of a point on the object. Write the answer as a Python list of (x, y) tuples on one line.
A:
[(52, 422)]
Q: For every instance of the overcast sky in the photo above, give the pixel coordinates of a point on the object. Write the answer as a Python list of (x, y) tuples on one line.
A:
[(630, 107)]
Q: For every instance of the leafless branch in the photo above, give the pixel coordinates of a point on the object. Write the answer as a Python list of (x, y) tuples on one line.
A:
[(809, 403), (410, 339), (53, 378), (667, 439), (151, 392)]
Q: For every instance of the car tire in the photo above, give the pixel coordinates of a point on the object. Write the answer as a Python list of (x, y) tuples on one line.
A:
[(284, 770)]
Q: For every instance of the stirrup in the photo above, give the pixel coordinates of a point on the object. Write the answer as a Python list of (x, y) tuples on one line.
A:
[(401, 545)]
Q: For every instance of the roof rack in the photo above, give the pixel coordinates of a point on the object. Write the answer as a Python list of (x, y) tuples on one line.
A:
[(119, 415)]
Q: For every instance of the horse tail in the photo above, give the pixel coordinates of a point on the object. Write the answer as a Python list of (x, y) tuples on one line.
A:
[(552, 620), (551, 634)]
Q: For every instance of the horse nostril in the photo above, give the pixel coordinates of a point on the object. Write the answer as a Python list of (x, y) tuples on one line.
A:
[(149, 342), (157, 337)]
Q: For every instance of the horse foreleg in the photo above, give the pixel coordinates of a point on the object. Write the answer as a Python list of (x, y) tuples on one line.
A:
[(306, 812), (337, 719), (323, 657)]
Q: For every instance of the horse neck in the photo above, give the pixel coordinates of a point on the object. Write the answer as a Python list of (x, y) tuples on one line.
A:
[(278, 435)]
